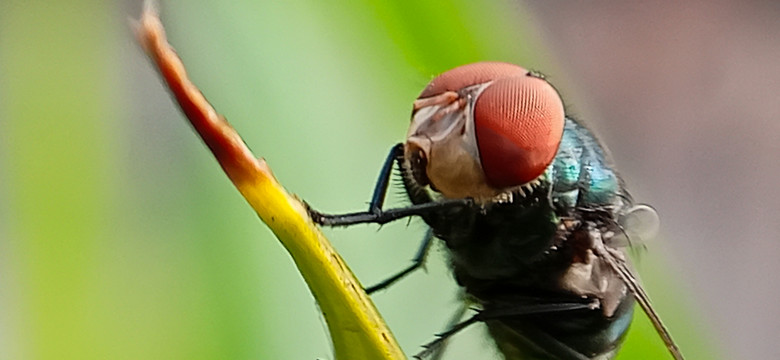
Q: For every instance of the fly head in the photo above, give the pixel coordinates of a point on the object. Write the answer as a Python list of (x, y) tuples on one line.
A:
[(483, 130)]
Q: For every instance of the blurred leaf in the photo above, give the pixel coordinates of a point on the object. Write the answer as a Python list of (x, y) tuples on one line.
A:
[(356, 328)]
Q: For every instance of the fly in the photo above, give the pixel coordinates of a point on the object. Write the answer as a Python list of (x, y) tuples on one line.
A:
[(535, 218)]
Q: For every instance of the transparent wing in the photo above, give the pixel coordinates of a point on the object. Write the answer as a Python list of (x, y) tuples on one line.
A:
[(617, 262)]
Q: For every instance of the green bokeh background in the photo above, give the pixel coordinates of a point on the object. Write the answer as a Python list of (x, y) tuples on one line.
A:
[(121, 239)]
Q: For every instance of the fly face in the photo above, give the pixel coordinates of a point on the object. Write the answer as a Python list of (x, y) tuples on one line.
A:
[(482, 128), (533, 214)]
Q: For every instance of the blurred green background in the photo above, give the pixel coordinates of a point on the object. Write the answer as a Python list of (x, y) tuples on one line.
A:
[(120, 238)]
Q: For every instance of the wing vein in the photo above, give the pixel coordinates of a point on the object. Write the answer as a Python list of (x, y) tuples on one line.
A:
[(618, 264)]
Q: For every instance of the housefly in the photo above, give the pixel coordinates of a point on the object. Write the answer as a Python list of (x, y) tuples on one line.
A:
[(534, 217)]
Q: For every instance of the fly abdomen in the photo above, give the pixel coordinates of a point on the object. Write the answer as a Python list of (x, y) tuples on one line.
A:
[(568, 335)]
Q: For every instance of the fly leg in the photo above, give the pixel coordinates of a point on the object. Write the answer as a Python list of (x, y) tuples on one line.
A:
[(504, 312), (417, 262), (385, 216), (375, 214), (454, 320)]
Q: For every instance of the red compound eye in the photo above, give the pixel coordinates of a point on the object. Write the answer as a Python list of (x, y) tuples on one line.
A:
[(519, 124), (471, 74)]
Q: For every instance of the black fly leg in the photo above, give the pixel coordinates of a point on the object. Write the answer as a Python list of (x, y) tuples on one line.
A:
[(375, 214), (417, 262), (438, 353), (498, 313), (441, 338), (386, 216), (377, 199)]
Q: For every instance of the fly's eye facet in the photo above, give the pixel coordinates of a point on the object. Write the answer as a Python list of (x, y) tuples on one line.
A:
[(468, 75), (518, 123)]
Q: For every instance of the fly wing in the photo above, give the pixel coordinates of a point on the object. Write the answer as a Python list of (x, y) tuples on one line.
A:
[(635, 225), (617, 262)]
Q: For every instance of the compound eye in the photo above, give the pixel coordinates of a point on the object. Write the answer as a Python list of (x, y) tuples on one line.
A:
[(518, 123), (468, 75)]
